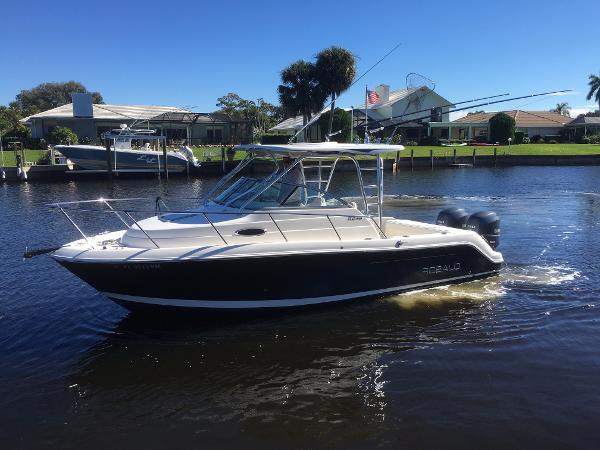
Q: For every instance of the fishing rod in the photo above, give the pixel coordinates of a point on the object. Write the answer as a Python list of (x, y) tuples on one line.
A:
[(478, 105), (449, 105), (316, 116)]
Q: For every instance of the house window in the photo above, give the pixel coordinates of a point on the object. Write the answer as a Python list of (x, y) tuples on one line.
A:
[(436, 114)]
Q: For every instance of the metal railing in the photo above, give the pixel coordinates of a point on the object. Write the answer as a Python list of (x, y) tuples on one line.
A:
[(120, 213)]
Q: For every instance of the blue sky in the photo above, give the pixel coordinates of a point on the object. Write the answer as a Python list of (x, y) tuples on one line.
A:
[(189, 53)]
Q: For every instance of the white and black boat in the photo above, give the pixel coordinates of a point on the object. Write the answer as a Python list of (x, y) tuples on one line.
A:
[(280, 240), (125, 158)]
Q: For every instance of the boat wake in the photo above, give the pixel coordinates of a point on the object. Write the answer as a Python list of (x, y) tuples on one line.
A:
[(541, 275), (473, 292), (489, 289)]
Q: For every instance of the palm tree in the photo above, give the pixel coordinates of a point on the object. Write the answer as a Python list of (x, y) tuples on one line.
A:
[(594, 88), (299, 91), (336, 69), (562, 109)]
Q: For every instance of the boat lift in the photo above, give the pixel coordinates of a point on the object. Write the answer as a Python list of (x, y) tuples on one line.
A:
[(131, 134)]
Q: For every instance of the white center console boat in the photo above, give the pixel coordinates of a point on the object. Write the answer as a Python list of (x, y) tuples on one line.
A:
[(125, 158), (279, 239)]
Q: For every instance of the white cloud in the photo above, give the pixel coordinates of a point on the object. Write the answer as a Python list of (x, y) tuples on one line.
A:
[(576, 110), (457, 115)]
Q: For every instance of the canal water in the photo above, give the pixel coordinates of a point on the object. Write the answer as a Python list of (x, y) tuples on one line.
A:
[(508, 362)]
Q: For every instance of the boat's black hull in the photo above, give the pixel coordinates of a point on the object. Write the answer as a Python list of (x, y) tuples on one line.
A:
[(282, 280)]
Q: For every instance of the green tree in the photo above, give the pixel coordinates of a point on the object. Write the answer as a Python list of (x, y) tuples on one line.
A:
[(260, 114), (233, 105), (342, 121), (62, 136), (299, 91), (502, 127), (594, 84), (9, 119), (49, 95), (562, 109), (335, 72)]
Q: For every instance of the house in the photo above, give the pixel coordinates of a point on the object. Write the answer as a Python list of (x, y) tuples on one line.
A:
[(476, 126), (406, 110), (583, 126), (88, 121)]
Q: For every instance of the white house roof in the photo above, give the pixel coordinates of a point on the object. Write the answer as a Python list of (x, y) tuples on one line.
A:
[(108, 112), (296, 123), (293, 123), (394, 97)]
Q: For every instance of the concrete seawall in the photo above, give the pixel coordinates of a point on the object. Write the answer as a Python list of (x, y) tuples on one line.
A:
[(501, 160), (63, 172)]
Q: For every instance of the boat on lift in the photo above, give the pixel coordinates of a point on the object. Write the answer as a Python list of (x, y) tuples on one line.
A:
[(279, 239), (126, 158)]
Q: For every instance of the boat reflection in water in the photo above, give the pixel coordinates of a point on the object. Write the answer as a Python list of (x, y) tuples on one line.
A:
[(221, 375)]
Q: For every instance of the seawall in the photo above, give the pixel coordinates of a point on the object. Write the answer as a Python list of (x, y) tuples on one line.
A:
[(215, 168)]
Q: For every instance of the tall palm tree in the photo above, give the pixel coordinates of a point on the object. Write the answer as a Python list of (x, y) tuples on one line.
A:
[(336, 69), (594, 88), (299, 91), (562, 109)]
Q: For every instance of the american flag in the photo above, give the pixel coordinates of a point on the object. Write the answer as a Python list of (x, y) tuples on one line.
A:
[(372, 96)]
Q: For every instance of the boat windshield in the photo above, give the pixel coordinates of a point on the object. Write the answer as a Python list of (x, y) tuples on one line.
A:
[(284, 192), (122, 144)]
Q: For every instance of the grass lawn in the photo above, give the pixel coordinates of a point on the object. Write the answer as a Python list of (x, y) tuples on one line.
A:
[(30, 156), (214, 153), (521, 149)]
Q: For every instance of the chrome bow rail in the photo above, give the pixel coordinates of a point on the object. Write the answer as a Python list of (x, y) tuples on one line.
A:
[(158, 210)]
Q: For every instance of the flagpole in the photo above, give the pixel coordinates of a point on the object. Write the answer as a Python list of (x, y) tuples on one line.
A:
[(366, 117)]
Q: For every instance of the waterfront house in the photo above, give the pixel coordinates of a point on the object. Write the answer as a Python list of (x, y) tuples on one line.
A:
[(476, 126), (88, 121), (583, 126), (406, 110)]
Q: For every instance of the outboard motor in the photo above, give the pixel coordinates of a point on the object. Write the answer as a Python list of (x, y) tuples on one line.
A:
[(486, 224), (453, 217), (189, 155)]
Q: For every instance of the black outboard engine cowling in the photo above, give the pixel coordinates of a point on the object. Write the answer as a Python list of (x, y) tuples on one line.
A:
[(453, 217), (486, 224)]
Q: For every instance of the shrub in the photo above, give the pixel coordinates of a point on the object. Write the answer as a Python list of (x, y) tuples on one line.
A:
[(397, 139), (519, 137), (412, 143), (526, 140), (275, 138), (44, 159), (86, 140), (21, 134), (430, 140), (502, 127), (552, 141), (342, 121), (537, 138), (595, 139), (62, 136), (583, 140)]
